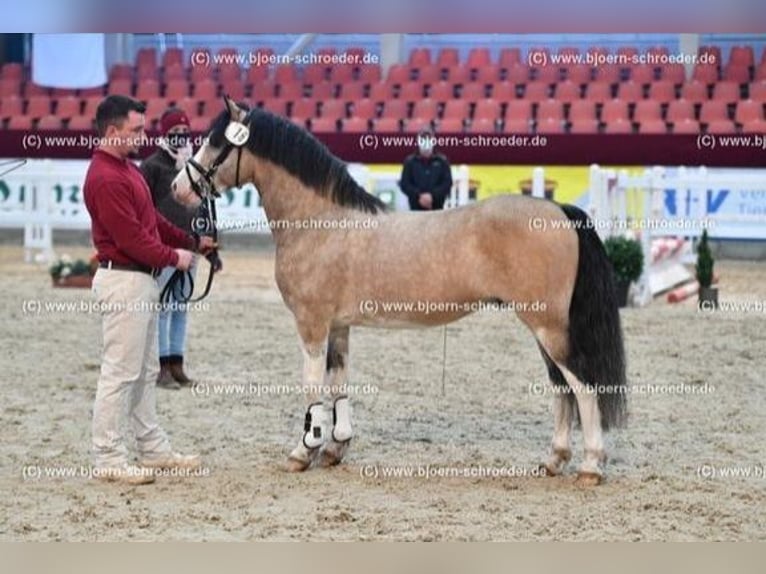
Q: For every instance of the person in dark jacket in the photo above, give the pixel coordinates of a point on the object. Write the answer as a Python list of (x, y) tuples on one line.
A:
[(159, 170), (426, 176)]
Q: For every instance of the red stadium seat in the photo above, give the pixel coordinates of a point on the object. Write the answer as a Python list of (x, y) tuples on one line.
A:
[(517, 74), (419, 57), (737, 74), (710, 54), (441, 92), (68, 107), (598, 92), (548, 74), (509, 57), (619, 126), (285, 74), (355, 125), (416, 124), (652, 126), (550, 126), (90, 106), (147, 89), (687, 126), (694, 91), (754, 127), (38, 106), (425, 109), (748, 111), (726, 91), (314, 73), (448, 57), (304, 108), (516, 126), (398, 74), (675, 73), (323, 91), (721, 127), (324, 125), (352, 91), (519, 110), (662, 91), (705, 73), (550, 110), (614, 110), (488, 74), (584, 127), (199, 73), (370, 73), (630, 91), (121, 72), (120, 87), (256, 74), (627, 52), (482, 126), (176, 89), (713, 110), (536, 91), (200, 123), (381, 92), (456, 109), (504, 92), (396, 109), (742, 56), (757, 91), (473, 92), (20, 123), (173, 73), (10, 87), (679, 110), (487, 109), (387, 125), (12, 70), (567, 91), (451, 125), (760, 73), (49, 122), (365, 109), (642, 74), (229, 71), (411, 91), (478, 57), (335, 109), (427, 74), (608, 73), (189, 105), (84, 123), (647, 110), (456, 75), (291, 91), (582, 111), (263, 90), (31, 89), (234, 88), (579, 73), (155, 108), (173, 56), (342, 73)]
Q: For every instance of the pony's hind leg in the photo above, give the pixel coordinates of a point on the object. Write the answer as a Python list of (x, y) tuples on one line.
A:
[(563, 417), (317, 421), (337, 374)]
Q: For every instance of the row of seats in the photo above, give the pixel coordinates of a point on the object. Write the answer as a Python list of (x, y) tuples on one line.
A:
[(68, 107)]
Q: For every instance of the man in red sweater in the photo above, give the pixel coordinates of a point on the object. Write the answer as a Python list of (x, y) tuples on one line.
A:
[(133, 242)]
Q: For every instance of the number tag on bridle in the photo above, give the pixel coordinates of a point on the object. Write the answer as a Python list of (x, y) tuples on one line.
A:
[(237, 134)]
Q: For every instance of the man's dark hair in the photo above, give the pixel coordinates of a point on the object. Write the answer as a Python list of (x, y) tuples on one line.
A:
[(113, 110)]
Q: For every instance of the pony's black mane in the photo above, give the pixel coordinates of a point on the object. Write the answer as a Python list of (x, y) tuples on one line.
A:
[(296, 150)]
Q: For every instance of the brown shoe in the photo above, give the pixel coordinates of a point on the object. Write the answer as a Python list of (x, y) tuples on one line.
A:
[(176, 366), (165, 378)]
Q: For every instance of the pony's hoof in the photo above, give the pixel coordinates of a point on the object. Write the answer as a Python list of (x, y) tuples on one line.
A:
[(589, 479), (333, 454), (296, 465)]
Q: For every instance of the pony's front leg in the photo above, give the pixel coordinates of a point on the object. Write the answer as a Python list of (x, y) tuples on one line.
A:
[(337, 375), (318, 419)]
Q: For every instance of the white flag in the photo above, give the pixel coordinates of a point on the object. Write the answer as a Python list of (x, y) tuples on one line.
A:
[(68, 60)]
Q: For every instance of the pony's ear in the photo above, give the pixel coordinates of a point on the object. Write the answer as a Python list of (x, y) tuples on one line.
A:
[(235, 112)]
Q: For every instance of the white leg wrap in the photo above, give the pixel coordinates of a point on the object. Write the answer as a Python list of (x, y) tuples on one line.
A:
[(316, 426), (342, 431)]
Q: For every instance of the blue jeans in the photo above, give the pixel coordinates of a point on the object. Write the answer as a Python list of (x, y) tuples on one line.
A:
[(172, 322)]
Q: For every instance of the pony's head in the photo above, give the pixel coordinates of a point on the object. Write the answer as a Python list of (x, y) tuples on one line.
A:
[(216, 165)]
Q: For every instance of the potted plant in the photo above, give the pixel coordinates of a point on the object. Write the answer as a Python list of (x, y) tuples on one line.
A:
[(628, 262), (67, 272), (708, 295)]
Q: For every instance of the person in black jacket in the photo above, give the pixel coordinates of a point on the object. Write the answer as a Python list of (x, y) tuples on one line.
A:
[(426, 176), (159, 170)]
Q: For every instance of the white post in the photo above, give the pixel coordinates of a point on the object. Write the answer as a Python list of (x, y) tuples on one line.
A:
[(463, 185), (538, 182)]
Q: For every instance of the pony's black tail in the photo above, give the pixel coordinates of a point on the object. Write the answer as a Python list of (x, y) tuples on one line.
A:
[(596, 352)]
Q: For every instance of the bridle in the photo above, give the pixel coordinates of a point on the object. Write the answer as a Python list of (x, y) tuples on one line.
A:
[(205, 222)]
